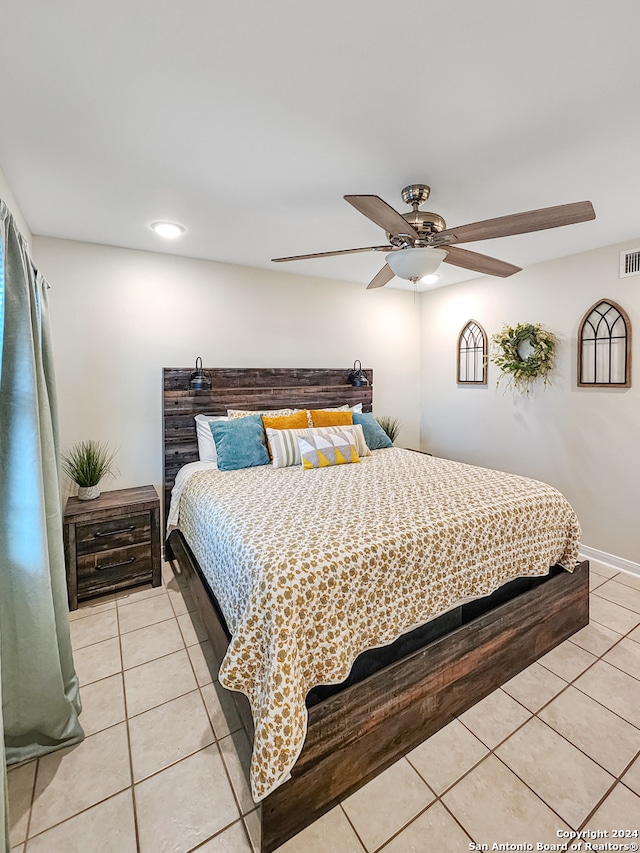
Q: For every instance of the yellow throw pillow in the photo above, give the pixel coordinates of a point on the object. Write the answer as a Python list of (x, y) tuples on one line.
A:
[(324, 418), (298, 420)]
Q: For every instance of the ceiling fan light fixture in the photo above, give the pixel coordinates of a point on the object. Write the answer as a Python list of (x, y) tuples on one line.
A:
[(168, 230), (430, 279), (415, 263)]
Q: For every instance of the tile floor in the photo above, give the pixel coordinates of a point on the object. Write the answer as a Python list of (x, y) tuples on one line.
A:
[(556, 748)]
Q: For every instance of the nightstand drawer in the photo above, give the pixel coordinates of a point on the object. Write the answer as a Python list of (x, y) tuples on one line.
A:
[(115, 533), (132, 564)]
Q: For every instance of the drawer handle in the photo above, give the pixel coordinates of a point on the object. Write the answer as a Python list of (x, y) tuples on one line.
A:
[(115, 565), (100, 533)]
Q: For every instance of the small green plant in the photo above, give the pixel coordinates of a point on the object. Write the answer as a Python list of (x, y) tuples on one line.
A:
[(391, 426), (87, 462)]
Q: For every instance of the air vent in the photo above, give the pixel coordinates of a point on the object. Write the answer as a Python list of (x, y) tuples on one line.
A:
[(629, 263)]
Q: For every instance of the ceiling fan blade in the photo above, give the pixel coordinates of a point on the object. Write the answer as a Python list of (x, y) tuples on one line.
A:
[(385, 275), (378, 211), (518, 223), (338, 252), (479, 263)]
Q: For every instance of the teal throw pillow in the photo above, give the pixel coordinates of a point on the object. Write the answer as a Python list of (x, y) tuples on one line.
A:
[(240, 443), (374, 435)]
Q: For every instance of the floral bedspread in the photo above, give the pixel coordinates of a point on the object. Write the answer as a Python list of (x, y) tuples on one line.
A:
[(313, 567)]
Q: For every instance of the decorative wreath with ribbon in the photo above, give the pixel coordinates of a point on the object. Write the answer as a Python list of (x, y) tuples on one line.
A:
[(521, 371)]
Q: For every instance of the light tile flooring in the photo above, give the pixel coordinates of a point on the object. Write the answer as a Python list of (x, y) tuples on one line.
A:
[(557, 748)]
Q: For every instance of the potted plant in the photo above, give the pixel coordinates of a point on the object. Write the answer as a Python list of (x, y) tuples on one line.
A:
[(390, 425), (86, 463)]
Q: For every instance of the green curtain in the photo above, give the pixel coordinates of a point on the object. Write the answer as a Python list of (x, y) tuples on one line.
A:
[(4, 801), (39, 686)]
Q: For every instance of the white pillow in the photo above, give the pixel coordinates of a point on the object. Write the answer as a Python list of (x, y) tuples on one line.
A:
[(344, 408), (268, 413), (206, 444)]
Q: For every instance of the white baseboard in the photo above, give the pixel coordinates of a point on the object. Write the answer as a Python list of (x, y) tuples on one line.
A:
[(610, 560)]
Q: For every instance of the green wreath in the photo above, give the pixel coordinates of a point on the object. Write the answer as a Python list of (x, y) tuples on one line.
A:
[(522, 372)]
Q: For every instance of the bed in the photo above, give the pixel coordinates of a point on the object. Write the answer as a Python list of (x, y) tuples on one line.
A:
[(412, 676)]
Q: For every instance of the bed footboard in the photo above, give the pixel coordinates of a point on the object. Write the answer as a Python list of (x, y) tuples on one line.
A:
[(357, 733)]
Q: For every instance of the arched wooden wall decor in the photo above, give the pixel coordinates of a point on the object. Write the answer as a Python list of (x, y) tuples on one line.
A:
[(604, 347), (472, 355)]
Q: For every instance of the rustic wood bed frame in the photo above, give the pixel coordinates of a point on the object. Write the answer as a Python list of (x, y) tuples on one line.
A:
[(400, 695)]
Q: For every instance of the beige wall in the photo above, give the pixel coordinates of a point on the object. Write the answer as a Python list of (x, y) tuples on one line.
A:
[(9, 199), (586, 442), (120, 316)]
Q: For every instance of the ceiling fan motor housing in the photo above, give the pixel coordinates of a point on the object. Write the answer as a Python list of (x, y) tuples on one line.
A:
[(425, 223)]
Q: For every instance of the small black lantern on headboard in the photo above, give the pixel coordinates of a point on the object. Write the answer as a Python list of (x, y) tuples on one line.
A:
[(357, 376), (199, 381)]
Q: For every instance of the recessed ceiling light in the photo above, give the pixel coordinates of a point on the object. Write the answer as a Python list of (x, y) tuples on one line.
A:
[(430, 279), (168, 230)]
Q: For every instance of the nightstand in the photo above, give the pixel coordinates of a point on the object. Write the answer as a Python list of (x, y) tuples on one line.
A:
[(112, 542)]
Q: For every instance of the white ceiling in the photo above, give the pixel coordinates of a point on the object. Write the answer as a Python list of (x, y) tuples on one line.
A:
[(247, 121)]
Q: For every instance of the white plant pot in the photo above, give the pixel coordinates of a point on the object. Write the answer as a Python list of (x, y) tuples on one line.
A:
[(88, 493)]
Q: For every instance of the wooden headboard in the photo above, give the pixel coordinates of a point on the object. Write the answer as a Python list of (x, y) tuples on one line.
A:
[(244, 388)]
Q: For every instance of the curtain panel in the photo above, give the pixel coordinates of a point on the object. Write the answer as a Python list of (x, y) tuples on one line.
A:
[(39, 686), (4, 793)]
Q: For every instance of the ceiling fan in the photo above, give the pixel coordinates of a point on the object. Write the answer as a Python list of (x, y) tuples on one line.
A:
[(419, 241)]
